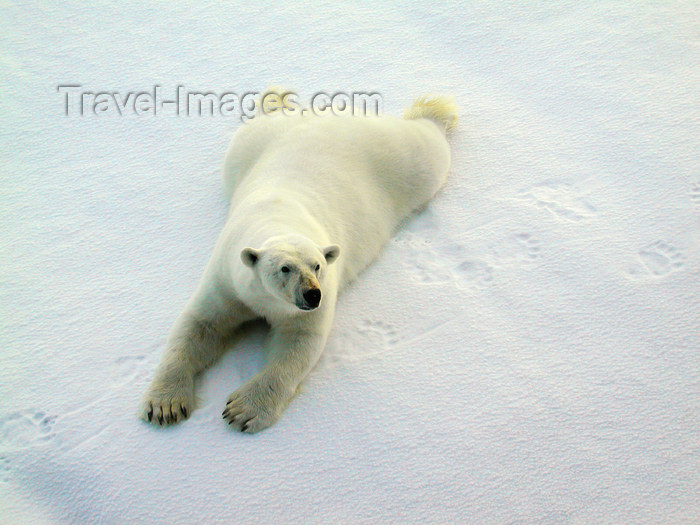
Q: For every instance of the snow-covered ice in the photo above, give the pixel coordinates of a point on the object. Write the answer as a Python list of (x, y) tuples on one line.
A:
[(525, 350)]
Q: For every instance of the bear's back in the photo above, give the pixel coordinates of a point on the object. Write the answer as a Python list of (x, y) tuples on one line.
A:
[(358, 177)]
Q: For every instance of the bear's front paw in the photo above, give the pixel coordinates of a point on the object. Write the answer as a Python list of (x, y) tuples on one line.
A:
[(253, 407), (168, 401)]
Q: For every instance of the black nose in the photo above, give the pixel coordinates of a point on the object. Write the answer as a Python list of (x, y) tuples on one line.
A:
[(312, 296)]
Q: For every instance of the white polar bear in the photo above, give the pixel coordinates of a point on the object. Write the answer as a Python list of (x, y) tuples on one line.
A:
[(313, 200)]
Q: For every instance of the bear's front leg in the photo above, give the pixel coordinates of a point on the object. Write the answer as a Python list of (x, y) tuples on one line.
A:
[(197, 339), (294, 352)]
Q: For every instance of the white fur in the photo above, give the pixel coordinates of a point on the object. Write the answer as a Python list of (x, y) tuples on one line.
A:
[(321, 196)]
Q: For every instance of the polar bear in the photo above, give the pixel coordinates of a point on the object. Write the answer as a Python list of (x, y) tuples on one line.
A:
[(312, 201)]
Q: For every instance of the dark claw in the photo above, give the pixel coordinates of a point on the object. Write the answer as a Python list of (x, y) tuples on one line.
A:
[(184, 410), (160, 418), (150, 414)]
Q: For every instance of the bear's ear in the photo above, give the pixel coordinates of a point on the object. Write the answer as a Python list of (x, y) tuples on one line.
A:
[(331, 253), (250, 256)]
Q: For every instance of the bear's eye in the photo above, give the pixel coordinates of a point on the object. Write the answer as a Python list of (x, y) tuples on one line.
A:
[(318, 267), (284, 269)]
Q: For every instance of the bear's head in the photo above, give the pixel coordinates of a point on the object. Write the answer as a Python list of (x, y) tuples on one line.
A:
[(292, 269)]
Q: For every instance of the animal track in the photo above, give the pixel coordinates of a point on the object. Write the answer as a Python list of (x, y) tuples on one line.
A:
[(376, 331), (129, 368), (410, 240), (695, 193), (5, 469), (475, 272), (418, 232), (449, 266), (561, 199), (469, 272), (364, 340), (521, 247), (658, 259), (430, 271), (528, 247), (25, 428)]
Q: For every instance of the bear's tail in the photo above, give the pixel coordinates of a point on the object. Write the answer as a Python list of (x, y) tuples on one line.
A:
[(440, 109)]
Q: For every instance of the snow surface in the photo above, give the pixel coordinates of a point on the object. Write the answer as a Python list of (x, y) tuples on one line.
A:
[(525, 350)]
